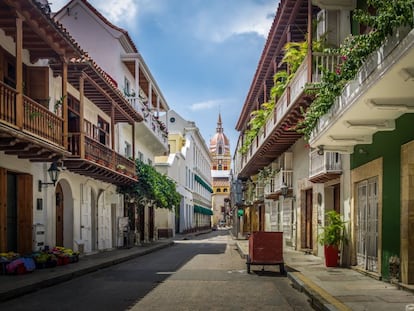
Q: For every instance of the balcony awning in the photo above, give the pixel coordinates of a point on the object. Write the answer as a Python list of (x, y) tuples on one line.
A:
[(203, 183), (202, 210)]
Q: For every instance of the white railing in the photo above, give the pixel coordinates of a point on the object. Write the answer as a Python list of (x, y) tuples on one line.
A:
[(150, 120), (296, 87), (282, 178), (259, 190), (328, 162)]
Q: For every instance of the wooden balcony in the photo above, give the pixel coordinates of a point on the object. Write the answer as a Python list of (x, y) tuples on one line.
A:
[(324, 166), (99, 161), (35, 133), (278, 133)]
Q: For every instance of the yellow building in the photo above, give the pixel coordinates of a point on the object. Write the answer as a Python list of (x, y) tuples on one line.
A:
[(220, 173)]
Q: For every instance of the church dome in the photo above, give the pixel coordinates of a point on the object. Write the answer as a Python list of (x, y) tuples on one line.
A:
[(219, 143)]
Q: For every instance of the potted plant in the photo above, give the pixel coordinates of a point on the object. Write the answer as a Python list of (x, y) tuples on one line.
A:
[(331, 237)]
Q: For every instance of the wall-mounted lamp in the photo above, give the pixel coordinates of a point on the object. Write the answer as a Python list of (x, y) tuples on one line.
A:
[(362, 150), (320, 150), (53, 172), (284, 188)]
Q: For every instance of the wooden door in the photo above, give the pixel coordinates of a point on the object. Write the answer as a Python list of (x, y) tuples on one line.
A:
[(24, 213), (37, 84), (59, 215), (141, 220), (151, 223), (3, 210), (306, 221), (367, 224)]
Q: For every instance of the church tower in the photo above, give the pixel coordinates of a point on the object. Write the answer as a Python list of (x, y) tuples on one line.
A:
[(220, 173)]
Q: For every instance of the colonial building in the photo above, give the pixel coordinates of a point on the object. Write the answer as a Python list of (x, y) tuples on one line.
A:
[(220, 172), (126, 69), (58, 112), (188, 164), (355, 158)]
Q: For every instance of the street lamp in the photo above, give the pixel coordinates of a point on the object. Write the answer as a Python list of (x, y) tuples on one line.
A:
[(284, 188), (53, 172)]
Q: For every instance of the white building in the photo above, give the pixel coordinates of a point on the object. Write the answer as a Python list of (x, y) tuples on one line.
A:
[(65, 115), (188, 164), (125, 66)]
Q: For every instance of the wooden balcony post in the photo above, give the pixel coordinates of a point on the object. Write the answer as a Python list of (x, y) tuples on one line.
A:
[(113, 131), (133, 141), (65, 103), (137, 87), (82, 113), (309, 55), (19, 71)]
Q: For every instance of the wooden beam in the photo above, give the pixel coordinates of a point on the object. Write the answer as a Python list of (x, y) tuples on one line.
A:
[(19, 72)]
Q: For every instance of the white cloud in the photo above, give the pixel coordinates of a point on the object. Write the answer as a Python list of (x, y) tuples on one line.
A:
[(235, 19), (208, 104)]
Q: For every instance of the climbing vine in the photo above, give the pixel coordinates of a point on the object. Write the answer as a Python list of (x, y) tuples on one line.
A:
[(389, 16)]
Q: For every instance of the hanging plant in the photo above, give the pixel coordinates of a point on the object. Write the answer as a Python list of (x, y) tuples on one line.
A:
[(294, 55), (390, 15)]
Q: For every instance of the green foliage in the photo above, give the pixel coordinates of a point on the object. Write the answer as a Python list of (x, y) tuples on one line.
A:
[(265, 173), (58, 103), (294, 54), (152, 186), (334, 230), (389, 16)]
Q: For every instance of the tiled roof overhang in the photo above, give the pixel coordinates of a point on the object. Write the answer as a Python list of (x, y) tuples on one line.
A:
[(291, 17), (42, 36)]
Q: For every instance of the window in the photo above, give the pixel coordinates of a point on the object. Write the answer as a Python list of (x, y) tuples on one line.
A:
[(225, 190), (103, 131), (219, 167), (128, 150), (127, 87), (220, 150), (140, 156), (149, 162), (218, 190)]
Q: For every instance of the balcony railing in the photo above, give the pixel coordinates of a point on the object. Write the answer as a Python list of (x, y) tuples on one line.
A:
[(100, 153), (37, 119), (282, 178), (152, 123), (259, 190), (296, 87), (323, 167)]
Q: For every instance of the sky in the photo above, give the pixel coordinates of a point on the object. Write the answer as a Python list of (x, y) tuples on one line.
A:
[(203, 54)]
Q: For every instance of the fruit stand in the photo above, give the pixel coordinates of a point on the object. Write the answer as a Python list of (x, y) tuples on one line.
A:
[(266, 248)]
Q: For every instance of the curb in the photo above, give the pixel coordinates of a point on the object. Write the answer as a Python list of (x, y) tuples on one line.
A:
[(19, 291), (319, 298)]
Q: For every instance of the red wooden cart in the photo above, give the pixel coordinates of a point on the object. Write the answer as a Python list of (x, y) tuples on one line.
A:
[(266, 248)]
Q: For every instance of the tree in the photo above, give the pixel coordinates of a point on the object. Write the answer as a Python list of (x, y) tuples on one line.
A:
[(152, 187)]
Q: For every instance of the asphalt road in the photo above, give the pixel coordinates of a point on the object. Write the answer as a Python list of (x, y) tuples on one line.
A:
[(204, 273)]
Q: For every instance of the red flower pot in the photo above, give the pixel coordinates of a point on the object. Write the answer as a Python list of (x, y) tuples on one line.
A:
[(331, 255)]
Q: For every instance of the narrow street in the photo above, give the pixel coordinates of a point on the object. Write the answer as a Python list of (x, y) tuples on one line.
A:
[(201, 273)]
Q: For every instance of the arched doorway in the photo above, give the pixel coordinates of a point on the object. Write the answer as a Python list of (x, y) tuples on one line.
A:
[(59, 215), (64, 215)]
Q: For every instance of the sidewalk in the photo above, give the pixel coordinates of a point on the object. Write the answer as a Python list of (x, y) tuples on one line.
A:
[(337, 288), (12, 286)]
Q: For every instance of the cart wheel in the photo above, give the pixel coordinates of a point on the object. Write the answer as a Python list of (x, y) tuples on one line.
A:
[(282, 269)]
